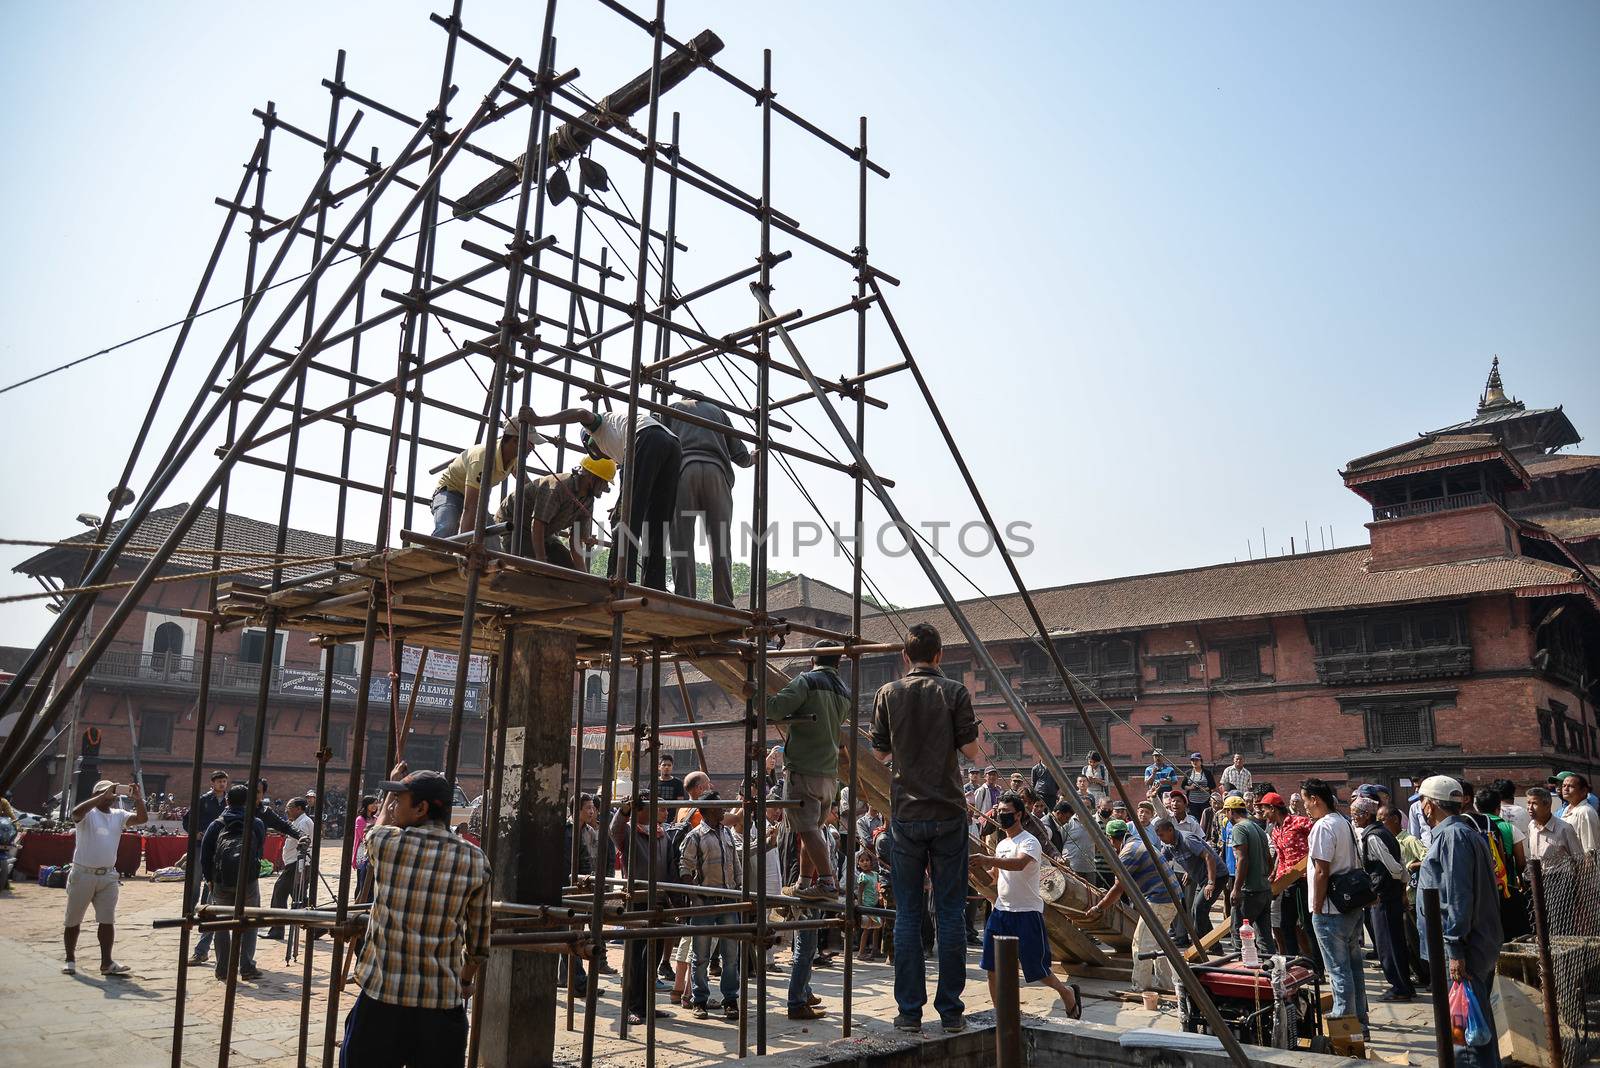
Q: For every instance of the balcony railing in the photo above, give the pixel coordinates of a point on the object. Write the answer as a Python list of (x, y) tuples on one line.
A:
[(1432, 504), (1391, 664), (231, 675), (1106, 684)]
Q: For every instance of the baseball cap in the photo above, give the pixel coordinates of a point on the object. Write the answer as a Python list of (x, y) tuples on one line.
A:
[(514, 424), (1196, 756), (991, 770), (1441, 788), (103, 785), (1274, 799), (1116, 827), (1234, 801), (1177, 793), (1369, 790), (1157, 752), (422, 786)]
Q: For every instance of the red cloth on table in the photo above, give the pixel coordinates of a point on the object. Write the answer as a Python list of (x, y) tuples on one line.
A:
[(163, 851), (40, 849)]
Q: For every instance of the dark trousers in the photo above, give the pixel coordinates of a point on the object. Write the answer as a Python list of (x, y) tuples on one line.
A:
[(1297, 934), (922, 847), (1414, 947), (1255, 906), (380, 1035), (703, 492), (654, 488), (1389, 931), (283, 894), (644, 956)]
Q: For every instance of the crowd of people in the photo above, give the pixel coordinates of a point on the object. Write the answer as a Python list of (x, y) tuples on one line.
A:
[(1316, 876), (1311, 875)]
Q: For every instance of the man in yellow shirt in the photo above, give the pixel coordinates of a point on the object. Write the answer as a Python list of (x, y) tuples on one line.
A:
[(455, 499)]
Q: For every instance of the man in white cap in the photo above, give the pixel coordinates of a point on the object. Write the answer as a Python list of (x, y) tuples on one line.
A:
[(93, 879), (1459, 867)]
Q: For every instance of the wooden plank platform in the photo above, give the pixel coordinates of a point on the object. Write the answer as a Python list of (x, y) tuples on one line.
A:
[(422, 595)]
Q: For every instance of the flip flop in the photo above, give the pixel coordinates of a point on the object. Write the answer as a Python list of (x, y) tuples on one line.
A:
[(1077, 1001)]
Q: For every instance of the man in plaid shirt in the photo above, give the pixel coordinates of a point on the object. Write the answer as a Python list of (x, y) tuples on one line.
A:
[(427, 935)]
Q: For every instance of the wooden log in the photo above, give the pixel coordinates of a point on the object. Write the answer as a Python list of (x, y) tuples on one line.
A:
[(1209, 939), (519, 989)]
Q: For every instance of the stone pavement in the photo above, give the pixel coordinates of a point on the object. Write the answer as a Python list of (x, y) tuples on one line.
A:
[(62, 1020)]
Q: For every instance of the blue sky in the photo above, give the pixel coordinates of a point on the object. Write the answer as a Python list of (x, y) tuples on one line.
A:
[(1168, 266)]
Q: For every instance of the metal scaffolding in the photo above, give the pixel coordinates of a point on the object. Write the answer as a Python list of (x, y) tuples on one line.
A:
[(264, 394)]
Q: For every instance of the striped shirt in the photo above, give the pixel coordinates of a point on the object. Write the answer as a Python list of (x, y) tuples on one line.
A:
[(430, 910), (1146, 871)]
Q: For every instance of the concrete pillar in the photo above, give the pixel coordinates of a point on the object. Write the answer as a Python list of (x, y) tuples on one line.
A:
[(519, 989)]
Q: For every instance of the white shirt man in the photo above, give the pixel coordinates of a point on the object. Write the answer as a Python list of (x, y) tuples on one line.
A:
[(283, 890), (303, 827), (1019, 907), (1236, 776), (1586, 823), (93, 880), (1332, 839), (1549, 836)]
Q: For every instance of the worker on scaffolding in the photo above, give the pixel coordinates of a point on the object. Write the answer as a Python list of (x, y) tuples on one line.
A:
[(652, 479), (559, 512), (705, 489), (814, 705), (455, 499)]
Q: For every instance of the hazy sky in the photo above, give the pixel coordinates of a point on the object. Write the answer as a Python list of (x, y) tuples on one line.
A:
[(1168, 266)]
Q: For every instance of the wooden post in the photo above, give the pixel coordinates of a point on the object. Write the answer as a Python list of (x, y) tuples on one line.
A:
[(1547, 969), (519, 989)]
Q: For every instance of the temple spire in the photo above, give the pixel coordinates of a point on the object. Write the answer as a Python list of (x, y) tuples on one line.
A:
[(1494, 394)]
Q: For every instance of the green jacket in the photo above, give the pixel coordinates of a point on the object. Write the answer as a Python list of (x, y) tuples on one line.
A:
[(814, 705)]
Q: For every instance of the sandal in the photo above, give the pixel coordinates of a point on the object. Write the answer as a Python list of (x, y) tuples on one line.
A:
[(1077, 1002)]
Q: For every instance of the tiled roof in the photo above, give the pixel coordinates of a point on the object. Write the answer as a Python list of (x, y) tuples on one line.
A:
[(1426, 448), (1499, 415), (1558, 463), (241, 534), (1569, 524), (1288, 585), (803, 591)]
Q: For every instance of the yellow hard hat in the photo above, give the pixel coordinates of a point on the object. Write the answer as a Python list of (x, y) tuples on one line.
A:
[(600, 468)]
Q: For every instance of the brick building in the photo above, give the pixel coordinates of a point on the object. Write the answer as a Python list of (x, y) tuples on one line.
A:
[(149, 678), (1464, 639)]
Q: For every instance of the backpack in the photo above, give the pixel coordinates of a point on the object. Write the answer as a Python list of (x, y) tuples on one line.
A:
[(8, 832), (1499, 862), (230, 851)]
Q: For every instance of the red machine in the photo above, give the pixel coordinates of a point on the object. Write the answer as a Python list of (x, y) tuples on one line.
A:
[(1276, 1003)]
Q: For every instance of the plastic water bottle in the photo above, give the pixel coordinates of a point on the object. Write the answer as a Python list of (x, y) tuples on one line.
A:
[(1247, 945)]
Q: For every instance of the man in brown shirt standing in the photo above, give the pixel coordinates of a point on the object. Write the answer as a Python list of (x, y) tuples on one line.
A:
[(919, 724)]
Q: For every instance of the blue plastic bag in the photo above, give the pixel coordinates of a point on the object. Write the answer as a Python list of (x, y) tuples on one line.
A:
[(1478, 1032)]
